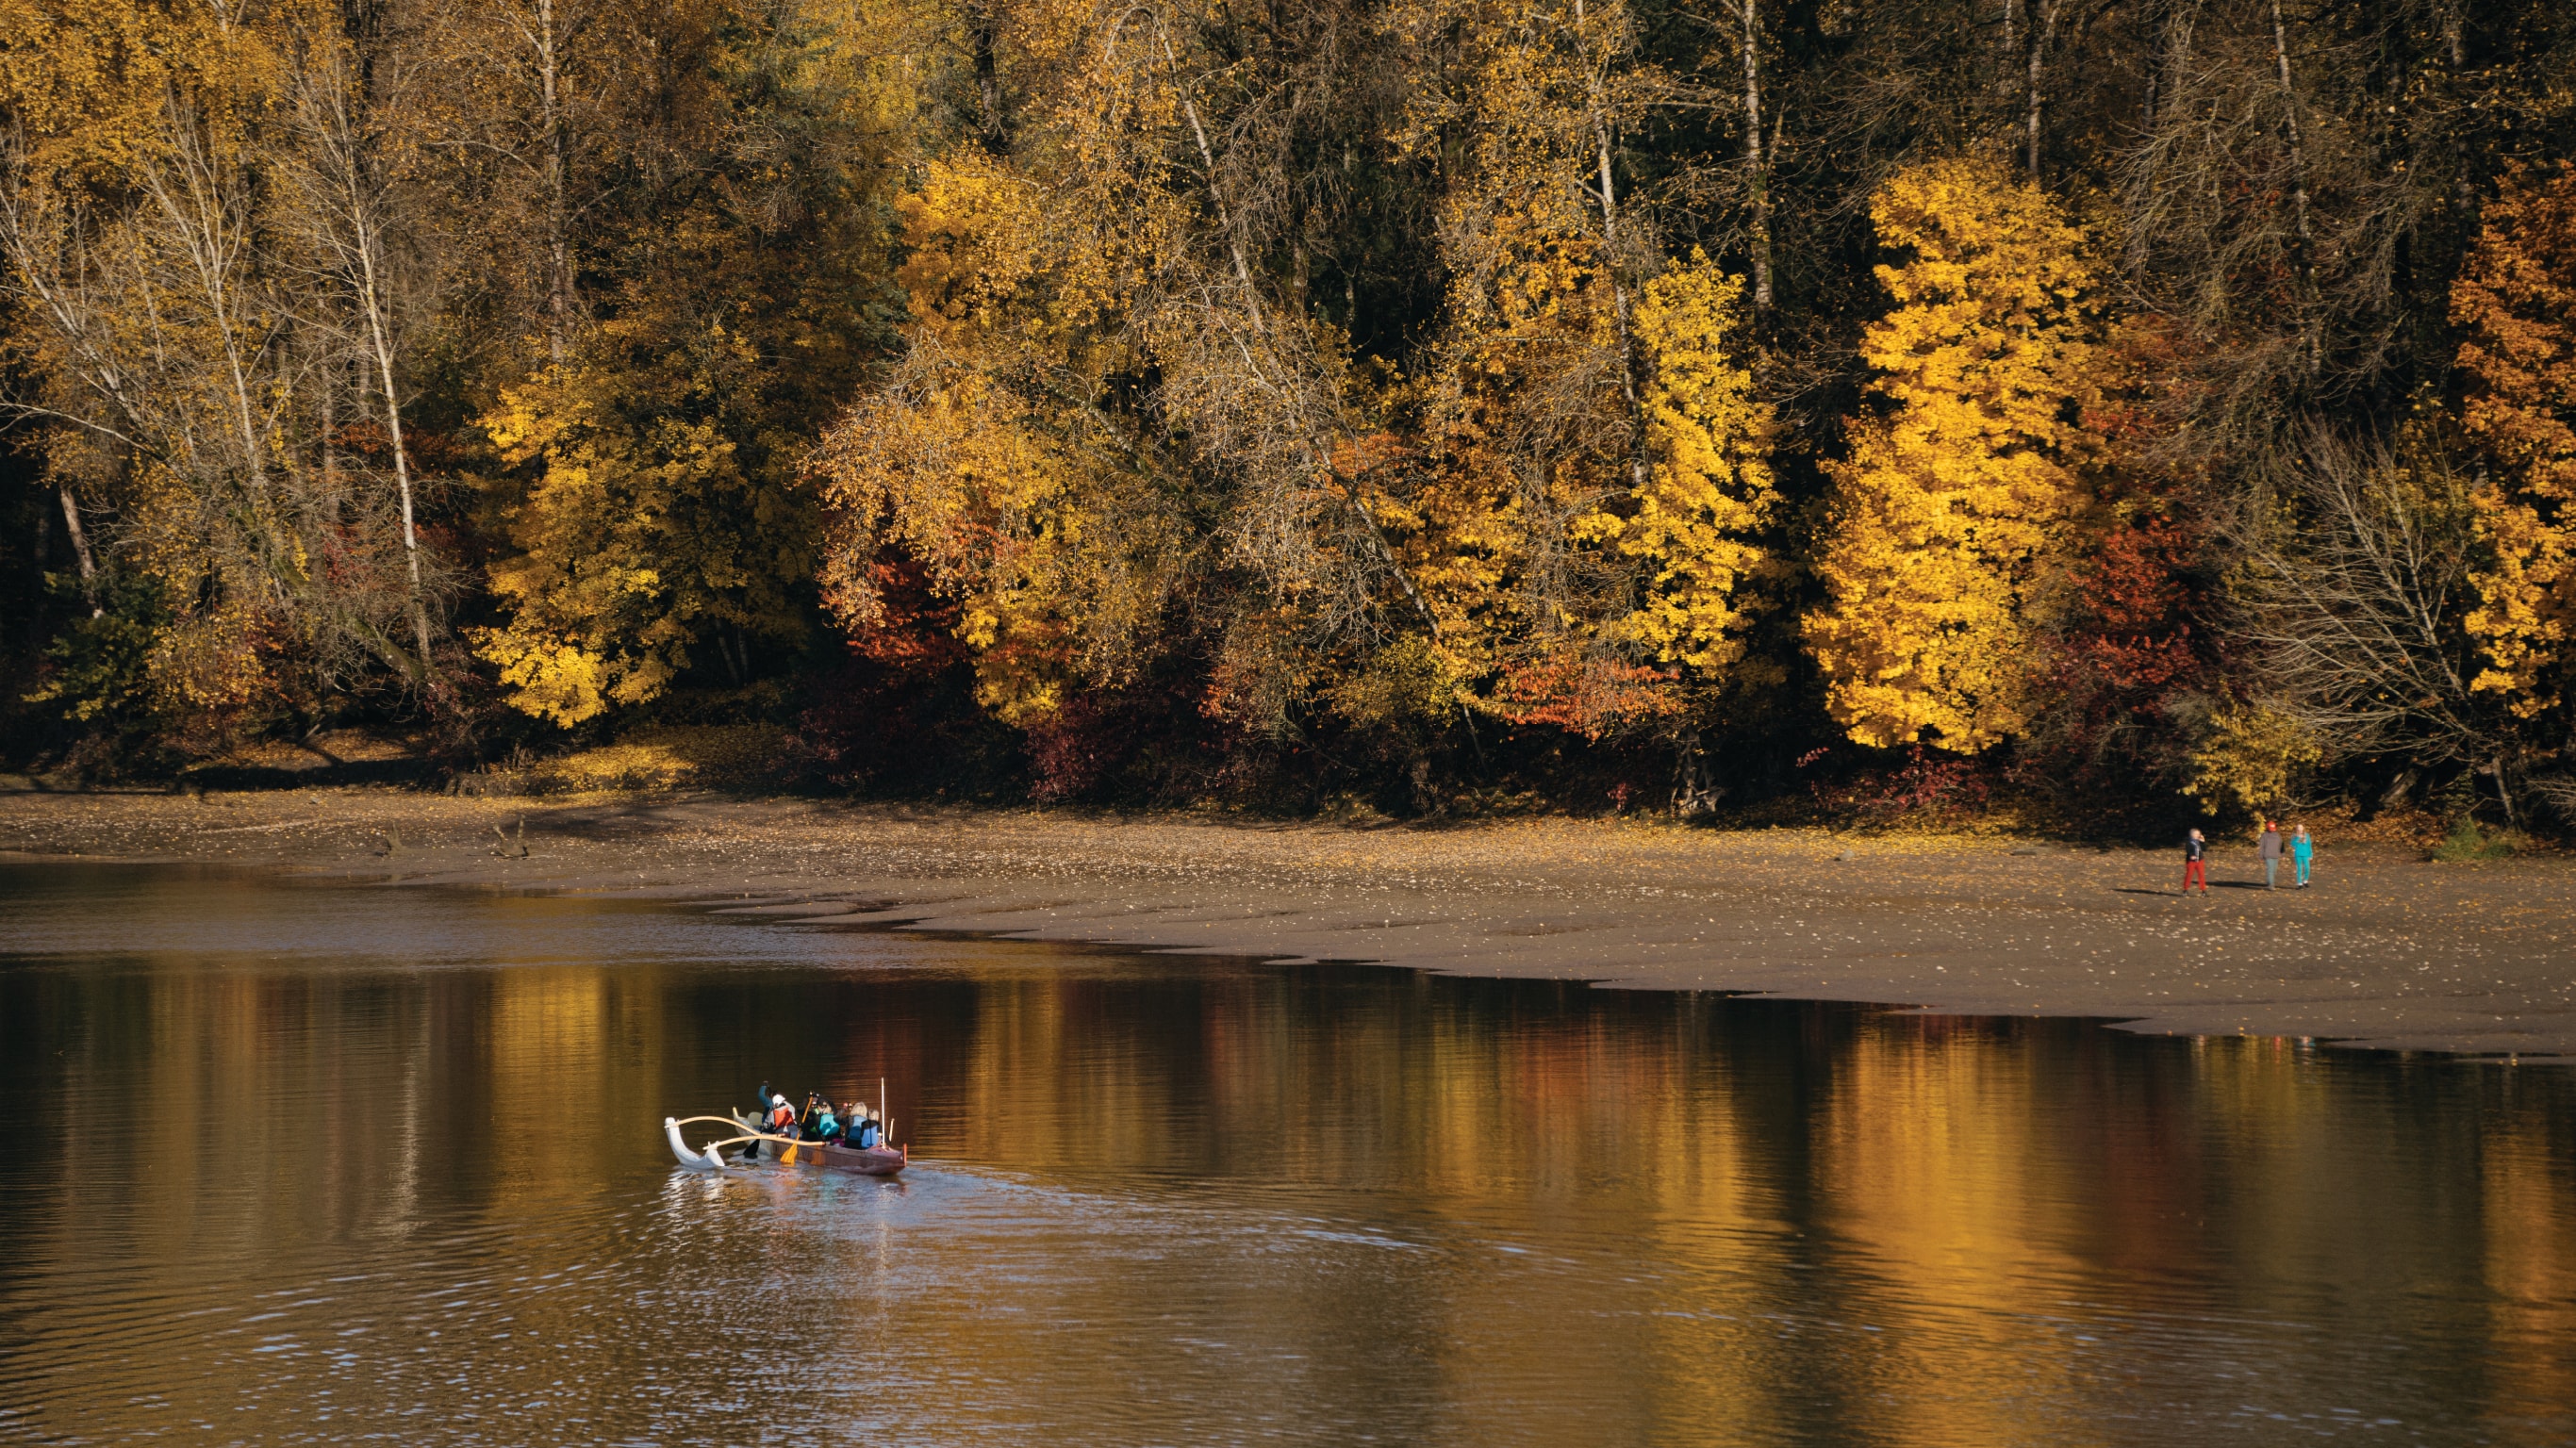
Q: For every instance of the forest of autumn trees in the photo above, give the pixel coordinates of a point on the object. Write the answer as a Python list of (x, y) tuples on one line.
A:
[(2117, 400)]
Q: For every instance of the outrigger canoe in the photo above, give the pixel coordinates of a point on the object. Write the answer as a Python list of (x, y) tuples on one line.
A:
[(876, 1161)]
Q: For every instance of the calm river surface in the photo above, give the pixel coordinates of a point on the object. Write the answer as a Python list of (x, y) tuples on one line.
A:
[(286, 1163)]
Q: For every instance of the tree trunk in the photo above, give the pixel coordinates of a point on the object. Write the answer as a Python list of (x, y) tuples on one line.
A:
[(366, 240), (329, 460), (382, 344), (80, 549), (1695, 792), (2174, 66), (1618, 290), (981, 34), (2303, 259), (1756, 161), (558, 221), (1317, 451), (209, 217), (2290, 122), (2010, 67), (2043, 29), (2394, 795), (2455, 55), (1216, 192)]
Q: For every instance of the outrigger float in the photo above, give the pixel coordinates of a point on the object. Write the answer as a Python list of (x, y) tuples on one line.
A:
[(875, 1161)]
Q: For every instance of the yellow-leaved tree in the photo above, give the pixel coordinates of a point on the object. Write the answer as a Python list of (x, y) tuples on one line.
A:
[(1693, 526), (995, 459), (1594, 434), (650, 494), (641, 536), (1958, 493), (194, 261), (1131, 417), (2516, 300)]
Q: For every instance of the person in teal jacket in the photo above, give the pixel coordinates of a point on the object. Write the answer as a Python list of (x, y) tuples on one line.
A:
[(2302, 850)]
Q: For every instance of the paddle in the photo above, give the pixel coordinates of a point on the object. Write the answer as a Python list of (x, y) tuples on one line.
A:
[(805, 1122)]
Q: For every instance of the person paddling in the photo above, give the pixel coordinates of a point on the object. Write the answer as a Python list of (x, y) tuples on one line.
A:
[(782, 1118)]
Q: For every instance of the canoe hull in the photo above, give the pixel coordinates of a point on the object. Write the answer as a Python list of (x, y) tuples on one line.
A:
[(875, 1161)]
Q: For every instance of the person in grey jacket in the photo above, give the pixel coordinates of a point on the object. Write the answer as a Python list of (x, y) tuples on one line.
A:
[(2269, 847)]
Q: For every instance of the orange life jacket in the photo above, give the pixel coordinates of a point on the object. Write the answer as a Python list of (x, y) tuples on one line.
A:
[(781, 1117)]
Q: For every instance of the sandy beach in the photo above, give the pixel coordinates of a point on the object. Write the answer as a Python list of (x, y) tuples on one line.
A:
[(2387, 950)]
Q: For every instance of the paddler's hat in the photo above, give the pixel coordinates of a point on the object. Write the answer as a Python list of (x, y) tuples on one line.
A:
[(777, 1100)]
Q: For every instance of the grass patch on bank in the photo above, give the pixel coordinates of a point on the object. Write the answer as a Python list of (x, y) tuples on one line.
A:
[(2468, 842), (745, 758)]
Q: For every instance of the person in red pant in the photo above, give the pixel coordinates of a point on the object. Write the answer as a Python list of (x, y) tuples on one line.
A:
[(2195, 863)]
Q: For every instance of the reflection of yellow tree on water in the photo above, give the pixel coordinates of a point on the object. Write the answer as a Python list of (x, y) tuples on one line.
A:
[(1937, 1171), (184, 1075), (1945, 1212), (1387, 1091), (575, 1043), (1505, 1209), (2530, 1267)]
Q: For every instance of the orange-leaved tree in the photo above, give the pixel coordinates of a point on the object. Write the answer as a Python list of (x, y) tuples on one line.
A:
[(2516, 300), (1953, 505)]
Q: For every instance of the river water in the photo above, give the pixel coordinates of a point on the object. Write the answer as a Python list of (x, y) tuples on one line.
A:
[(289, 1163)]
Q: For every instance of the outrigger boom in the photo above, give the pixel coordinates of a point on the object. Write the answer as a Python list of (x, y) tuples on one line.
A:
[(877, 1161)]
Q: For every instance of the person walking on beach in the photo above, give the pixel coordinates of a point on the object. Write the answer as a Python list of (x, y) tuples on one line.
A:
[(2195, 863), (2269, 847), (2302, 850)]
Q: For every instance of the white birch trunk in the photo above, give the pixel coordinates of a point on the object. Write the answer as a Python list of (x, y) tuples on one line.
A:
[(1757, 162), (1609, 197), (80, 549), (2305, 248), (2043, 31), (558, 211)]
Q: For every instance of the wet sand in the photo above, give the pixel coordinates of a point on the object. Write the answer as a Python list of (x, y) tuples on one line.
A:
[(2387, 950)]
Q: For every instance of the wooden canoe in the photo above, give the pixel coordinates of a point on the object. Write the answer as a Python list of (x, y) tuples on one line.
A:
[(876, 1161)]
